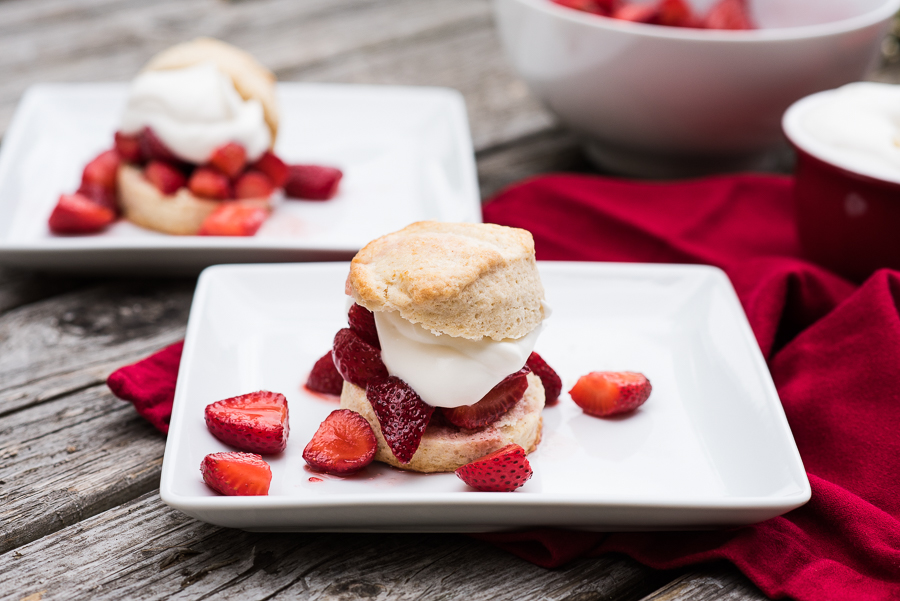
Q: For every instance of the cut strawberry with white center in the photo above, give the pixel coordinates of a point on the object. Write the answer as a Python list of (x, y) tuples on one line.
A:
[(325, 377), (234, 219), (549, 378), (164, 176), (493, 405), (357, 361), (78, 214), (402, 415), (209, 183), (605, 393), (344, 443), (362, 321), (255, 422), (102, 170), (253, 184), (229, 158), (274, 168), (312, 182), (236, 474), (504, 470)]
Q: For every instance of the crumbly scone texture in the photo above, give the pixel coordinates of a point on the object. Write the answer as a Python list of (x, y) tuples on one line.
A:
[(251, 79), (181, 213), (444, 449), (467, 280)]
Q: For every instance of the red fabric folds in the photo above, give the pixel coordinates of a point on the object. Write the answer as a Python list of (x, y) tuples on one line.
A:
[(149, 385)]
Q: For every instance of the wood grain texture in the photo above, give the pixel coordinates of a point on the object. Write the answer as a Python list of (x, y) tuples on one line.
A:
[(144, 550), (722, 582)]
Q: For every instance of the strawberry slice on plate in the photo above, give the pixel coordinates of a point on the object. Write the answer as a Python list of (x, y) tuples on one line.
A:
[(344, 443), (129, 147), (102, 196), (312, 182), (362, 321), (164, 176), (255, 422), (729, 14), (325, 377), (606, 393), (209, 183), (253, 184), (229, 158), (236, 474), (274, 168), (402, 415), (152, 148), (357, 361), (549, 378), (102, 171), (234, 219), (504, 470), (493, 405), (78, 214)]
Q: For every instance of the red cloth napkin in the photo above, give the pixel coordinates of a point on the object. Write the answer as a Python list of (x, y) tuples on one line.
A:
[(150, 385), (833, 349)]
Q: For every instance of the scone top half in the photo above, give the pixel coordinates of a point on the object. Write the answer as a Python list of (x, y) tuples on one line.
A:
[(465, 280)]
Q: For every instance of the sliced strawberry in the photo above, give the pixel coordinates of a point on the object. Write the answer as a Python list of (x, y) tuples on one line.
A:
[(493, 405), (325, 377), (637, 13), (229, 159), (675, 13), (164, 176), (402, 415), (78, 214), (234, 219), (209, 183), (357, 361), (100, 195), (129, 148), (605, 393), (255, 422), (102, 170), (312, 182), (504, 470), (236, 474), (344, 443), (597, 7), (549, 378), (729, 14), (152, 148), (362, 321), (273, 167), (253, 184)]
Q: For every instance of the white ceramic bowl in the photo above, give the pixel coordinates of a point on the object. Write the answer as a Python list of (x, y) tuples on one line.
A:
[(659, 101)]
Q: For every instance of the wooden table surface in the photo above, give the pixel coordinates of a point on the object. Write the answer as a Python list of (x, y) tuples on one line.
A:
[(79, 470)]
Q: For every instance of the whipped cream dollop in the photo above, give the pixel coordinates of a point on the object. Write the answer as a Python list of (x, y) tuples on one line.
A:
[(857, 127), (447, 371), (195, 110)]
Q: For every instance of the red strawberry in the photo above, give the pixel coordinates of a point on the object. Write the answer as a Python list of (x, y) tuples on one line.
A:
[(605, 393), (362, 321), (129, 148), (637, 13), (237, 474), (152, 148), (493, 405), (325, 377), (675, 13), (165, 176), (253, 184), (102, 170), (729, 14), (549, 378), (273, 167), (344, 443), (100, 195), (312, 182), (234, 219), (357, 361), (229, 159), (504, 470), (209, 183), (255, 422), (403, 416), (598, 7), (78, 214)]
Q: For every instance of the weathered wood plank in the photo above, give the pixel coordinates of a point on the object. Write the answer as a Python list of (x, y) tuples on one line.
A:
[(19, 288), (144, 550), (722, 582)]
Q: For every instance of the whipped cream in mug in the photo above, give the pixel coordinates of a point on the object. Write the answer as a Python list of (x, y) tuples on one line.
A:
[(195, 110)]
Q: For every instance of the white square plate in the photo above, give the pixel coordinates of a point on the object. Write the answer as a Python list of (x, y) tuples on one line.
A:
[(711, 447), (406, 154)]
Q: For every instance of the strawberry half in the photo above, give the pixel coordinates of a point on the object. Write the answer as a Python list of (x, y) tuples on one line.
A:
[(356, 360), (273, 167), (229, 159), (344, 443), (129, 148), (102, 170), (152, 148), (78, 214), (636, 13), (325, 377), (605, 393), (234, 219), (675, 13), (549, 378), (100, 195), (402, 415), (504, 470), (312, 182), (164, 176), (236, 474), (729, 14), (209, 183), (493, 405), (253, 184), (597, 7), (362, 321), (255, 422)]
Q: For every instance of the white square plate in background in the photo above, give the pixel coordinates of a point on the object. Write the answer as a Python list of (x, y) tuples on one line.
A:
[(711, 447)]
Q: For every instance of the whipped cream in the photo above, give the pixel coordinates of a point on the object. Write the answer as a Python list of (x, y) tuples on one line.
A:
[(447, 371), (856, 127), (194, 111)]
